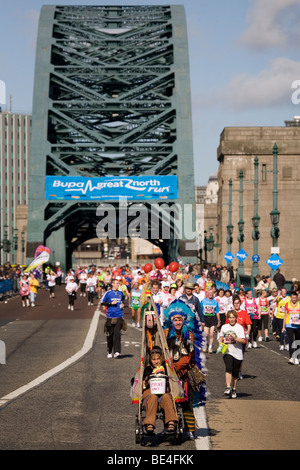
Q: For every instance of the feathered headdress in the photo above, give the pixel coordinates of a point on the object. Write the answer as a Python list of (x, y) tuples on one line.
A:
[(191, 323)]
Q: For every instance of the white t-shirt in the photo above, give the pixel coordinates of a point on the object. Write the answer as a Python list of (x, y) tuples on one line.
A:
[(223, 304), (234, 349), (200, 296)]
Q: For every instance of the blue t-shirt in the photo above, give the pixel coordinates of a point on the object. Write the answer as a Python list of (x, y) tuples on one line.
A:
[(210, 307), (114, 311)]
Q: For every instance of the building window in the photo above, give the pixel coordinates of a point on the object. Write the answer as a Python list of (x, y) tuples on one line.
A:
[(264, 172), (287, 172)]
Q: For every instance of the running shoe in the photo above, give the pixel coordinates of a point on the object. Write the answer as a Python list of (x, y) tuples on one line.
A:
[(233, 393)]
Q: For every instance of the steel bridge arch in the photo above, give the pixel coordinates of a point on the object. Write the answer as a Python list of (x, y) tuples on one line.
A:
[(111, 97)]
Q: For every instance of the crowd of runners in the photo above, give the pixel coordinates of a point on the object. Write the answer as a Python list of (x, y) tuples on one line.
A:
[(231, 317)]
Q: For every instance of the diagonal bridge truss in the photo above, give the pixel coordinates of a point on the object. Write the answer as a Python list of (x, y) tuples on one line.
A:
[(111, 98)]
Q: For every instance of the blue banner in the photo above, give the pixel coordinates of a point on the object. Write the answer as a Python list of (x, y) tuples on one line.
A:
[(112, 188), (6, 286)]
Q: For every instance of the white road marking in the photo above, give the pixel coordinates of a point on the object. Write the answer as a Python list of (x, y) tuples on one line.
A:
[(88, 343), (202, 441)]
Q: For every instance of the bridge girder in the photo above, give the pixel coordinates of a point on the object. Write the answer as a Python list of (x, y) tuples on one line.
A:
[(111, 98)]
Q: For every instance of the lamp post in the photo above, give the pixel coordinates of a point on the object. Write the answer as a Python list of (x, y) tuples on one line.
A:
[(205, 246), (6, 243), (15, 245), (210, 244), (229, 226), (275, 214), (23, 245), (241, 236), (255, 223)]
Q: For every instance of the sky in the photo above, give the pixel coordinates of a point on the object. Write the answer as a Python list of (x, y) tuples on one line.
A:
[(243, 54)]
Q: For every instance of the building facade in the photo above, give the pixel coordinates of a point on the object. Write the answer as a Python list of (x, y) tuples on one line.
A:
[(239, 146), (14, 165), (206, 218)]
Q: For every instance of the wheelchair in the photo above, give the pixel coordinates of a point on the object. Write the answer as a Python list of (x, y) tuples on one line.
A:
[(141, 435)]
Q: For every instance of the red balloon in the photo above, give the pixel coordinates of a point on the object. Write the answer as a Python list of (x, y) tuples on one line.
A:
[(159, 263), (173, 267), (147, 268)]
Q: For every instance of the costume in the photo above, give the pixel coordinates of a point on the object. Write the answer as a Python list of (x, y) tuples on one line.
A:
[(157, 337), (153, 402), (185, 347)]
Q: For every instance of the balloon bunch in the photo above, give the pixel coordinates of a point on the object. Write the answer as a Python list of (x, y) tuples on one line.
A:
[(160, 264)]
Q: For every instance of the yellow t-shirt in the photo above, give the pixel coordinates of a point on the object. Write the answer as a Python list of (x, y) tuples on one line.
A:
[(33, 284), (281, 306), (293, 315)]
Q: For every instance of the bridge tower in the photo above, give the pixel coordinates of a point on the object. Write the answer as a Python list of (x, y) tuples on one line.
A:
[(111, 99)]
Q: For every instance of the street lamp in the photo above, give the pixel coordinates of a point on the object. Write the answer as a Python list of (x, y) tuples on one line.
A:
[(255, 223), (210, 244), (6, 243), (23, 245), (275, 214), (275, 232), (205, 246), (15, 245), (241, 236), (229, 236), (229, 226)]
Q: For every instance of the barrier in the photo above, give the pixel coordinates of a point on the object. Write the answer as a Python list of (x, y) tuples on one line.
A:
[(6, 288)]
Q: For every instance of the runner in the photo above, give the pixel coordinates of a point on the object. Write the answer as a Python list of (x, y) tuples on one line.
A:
[(244, 320), (51, 278), (223, 305), (71, 289), (114, 301), (82, 282), (91, 284), (135, 304), (271, 299), (232, 334), (250, 305), (264, 315), (279, 307), (210, 309), (24, 290), (291, 323), (33, 284)]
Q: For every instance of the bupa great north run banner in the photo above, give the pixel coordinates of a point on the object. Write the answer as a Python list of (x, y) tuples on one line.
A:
[(137, 188)]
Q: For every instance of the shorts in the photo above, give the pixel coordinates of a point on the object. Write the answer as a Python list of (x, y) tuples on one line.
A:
[(135, 307), (210, 321), (264, 322), (232, 365)]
